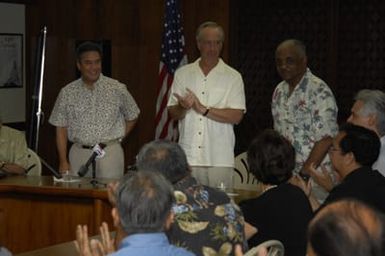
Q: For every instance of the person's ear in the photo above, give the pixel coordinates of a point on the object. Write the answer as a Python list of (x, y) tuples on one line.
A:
[(78, 64), (372, 120), (169, 220), (115, 216), (349, 158)]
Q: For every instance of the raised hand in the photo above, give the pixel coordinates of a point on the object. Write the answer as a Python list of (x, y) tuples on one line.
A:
[(323, 178), (107, 241), (185, 101)]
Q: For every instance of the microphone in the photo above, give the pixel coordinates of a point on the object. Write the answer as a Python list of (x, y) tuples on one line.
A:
[(97, 152)]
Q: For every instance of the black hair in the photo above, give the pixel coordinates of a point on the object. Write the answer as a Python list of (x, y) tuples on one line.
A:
[(362, 142), (88, 46)]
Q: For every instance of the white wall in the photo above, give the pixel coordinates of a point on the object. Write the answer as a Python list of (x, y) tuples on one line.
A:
[(12, 100)]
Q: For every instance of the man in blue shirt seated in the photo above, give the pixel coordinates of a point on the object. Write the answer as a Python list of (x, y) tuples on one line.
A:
[(142, 213)]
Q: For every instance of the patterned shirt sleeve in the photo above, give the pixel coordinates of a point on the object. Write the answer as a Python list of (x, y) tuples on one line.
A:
[(129, 107), (324, 113), (58, 116)]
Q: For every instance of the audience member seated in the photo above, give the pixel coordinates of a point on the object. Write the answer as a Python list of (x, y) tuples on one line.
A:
[(369, 111), (13, 151), (4, 252), (207, 222), (353, 152), (282, 211), (346, 227), (143, 212)]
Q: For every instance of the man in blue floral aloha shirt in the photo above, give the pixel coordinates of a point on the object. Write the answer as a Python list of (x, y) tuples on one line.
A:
[(207, 221), (304, 109)]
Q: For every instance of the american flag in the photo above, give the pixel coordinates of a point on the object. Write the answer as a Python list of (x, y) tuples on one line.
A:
[(172, 56)]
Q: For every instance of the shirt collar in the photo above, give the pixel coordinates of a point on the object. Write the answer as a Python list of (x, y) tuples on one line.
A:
[(184, 183), (101, 77), (220, 67), (144, 239), (301, 84)]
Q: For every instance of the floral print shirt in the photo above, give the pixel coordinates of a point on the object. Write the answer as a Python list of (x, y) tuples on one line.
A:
[(94, 115), (207, 222), (306, 116)]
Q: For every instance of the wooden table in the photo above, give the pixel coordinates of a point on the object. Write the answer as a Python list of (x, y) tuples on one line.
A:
[(36, 212), (40, 216)]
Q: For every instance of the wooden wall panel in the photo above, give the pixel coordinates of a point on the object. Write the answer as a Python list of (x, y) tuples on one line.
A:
[(257, 28), (345, 44), (134, 28), (344, 39), (197, 12), (360, 60)]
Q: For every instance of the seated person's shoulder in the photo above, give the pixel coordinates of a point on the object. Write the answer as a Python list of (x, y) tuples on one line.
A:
[(202, 196), (217, 196), (11, 133)]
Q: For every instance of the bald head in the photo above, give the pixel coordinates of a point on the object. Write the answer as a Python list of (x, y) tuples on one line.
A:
[(297, 45)]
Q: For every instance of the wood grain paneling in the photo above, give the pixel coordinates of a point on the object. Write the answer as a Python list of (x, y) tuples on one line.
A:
[(134, 28), (345, 46), (35, 212)]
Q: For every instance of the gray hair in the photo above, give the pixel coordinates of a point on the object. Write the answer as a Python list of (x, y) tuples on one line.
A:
[(299, 45), (144, 201), (210, 24), (374, 103), (165, 157)]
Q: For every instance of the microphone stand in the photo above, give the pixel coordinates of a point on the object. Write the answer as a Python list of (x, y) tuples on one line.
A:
[(37, 97), (94, 181)]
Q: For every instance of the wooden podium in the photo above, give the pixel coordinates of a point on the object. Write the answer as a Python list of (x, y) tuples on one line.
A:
[(36, 212)]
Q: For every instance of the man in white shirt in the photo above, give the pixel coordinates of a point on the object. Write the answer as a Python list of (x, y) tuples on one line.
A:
[(369, 111), (207, 97)]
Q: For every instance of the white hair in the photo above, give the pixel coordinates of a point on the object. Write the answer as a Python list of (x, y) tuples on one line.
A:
[(374, 103)]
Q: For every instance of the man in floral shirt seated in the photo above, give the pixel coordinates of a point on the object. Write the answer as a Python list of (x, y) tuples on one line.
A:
[(207, 222), (304, 109)]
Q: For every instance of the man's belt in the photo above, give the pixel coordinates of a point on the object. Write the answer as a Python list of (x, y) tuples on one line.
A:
[(108, 143)]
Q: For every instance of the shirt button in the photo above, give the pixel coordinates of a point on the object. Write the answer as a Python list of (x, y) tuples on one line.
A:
[(199, 133), (199, 146), (200, 119), (203, 92)]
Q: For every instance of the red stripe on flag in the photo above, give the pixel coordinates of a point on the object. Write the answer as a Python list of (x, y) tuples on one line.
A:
[(172, 56)]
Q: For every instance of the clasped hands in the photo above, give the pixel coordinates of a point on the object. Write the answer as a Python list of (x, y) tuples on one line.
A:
[(323, 178), (190, 101)]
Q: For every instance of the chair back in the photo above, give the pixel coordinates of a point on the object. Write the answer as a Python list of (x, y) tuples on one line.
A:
[(273, 247), (34, 162), (243, 178)]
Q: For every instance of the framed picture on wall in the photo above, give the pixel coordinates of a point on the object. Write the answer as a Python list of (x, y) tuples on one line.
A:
[(11, 60)]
